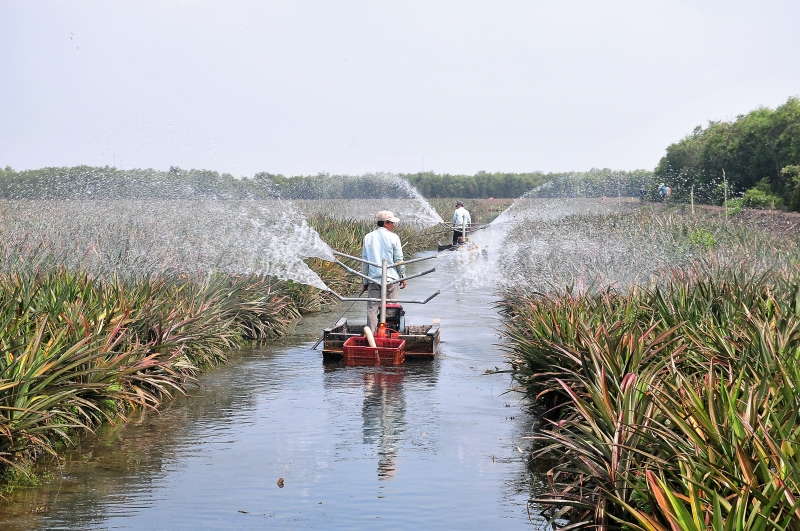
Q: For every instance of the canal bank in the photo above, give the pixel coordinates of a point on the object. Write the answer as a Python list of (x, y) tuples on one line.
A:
[(430, 444)]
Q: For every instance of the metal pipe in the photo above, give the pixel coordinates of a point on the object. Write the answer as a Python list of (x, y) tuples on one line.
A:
[(404, 301), (426, 300), (384, 269), (438, 232), (402, 262), (406, 262), (412, 276), (337, 253), (472, 227), (364, 277)]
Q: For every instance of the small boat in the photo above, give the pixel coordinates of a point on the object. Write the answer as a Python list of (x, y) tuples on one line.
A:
[(419, 341), (464, 246)]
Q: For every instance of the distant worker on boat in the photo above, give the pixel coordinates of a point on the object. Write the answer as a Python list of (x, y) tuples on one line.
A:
[(461, 221), (379, 245)]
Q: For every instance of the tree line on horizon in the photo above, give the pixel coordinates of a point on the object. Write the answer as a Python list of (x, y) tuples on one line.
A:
[(87, 182), (754, 160), (593, 183), (482, 185)]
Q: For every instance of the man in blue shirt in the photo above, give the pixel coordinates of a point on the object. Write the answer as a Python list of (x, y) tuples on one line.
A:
[(382, 244)]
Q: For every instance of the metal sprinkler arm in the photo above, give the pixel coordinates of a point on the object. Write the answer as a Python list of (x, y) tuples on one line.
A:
[(403, 262), (358, 274), (337, 253), (406, 262), (412, 276), (383, 283), (440, 231), (471, 228), (404, 301), (426, 300)]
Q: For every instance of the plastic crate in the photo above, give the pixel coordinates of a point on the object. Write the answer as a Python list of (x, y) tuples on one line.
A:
[(387, 351)]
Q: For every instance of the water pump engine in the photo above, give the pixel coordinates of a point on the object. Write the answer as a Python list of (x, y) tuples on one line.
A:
[(396, 317)]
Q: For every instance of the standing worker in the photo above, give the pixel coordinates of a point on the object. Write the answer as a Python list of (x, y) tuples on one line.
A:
[(379, 245), (461, 221)]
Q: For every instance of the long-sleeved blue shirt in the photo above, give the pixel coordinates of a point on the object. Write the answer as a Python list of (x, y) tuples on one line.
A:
[(382, 244)]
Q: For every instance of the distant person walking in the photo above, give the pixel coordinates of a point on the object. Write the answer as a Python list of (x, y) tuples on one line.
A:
[(461, 221), (664, 191), (379, 245)]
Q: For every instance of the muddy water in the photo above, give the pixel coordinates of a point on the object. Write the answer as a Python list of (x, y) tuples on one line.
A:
[(428, 445)]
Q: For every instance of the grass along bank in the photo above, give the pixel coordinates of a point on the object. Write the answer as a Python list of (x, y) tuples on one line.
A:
[(672, 403), (78, 351)]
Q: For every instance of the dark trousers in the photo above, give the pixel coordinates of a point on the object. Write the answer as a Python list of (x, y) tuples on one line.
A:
[(456, 235)]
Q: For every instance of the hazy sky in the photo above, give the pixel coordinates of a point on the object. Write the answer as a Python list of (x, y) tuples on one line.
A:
[(401, 86)]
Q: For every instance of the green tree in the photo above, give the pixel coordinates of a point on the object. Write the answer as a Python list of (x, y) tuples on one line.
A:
[(752, 150)]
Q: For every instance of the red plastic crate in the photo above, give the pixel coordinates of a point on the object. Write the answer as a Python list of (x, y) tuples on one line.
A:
[(387, 351)]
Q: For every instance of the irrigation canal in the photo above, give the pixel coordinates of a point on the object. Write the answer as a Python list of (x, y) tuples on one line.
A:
[(430, 445)]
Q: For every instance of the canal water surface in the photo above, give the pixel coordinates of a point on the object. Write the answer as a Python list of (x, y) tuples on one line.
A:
[(430, 445)]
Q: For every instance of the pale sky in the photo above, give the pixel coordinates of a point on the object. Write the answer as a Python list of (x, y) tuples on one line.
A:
[(401, 86)]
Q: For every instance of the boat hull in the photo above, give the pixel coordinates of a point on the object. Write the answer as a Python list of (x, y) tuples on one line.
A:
[(468, 246), (422, 341)]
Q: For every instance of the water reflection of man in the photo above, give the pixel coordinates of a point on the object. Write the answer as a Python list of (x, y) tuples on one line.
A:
[(382, 244), (461, 219), (383, 414)]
